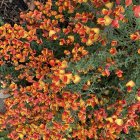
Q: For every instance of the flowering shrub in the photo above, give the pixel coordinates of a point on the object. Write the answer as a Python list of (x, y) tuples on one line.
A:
[(72, 69)]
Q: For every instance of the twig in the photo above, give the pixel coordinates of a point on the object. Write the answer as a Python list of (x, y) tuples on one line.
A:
[(1, 3)]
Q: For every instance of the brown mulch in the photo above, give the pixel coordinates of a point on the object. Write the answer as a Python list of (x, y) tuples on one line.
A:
[(10, 10)]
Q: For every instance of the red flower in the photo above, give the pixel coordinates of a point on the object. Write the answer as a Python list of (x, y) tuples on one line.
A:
[(106, 72), (129, 89), (136, 10), (115, 23), (52, 62), (119, 73), (128, 2), (114, 43), (135, 36), (101, 21), (118, 2), (113, 51), (125, 129)]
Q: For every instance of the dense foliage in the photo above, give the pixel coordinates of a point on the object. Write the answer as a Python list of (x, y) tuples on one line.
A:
[(72, 69)]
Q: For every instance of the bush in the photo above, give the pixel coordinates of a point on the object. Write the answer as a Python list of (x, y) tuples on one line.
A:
[(72, 69)]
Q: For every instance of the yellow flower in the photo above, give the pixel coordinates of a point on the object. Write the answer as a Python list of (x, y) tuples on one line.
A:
[(84, 0), (87, 29), (138, 98), (89, 42), (119, 122), (41, 83), (88, 83), (61, 71), (51, 32), (57, 83), (109, 119), (71, 37), (96, 30), (76, 79), (108, 20), (96, 36), (69, 75), (82, 103), (130, 84), (64, 64), (109, 5), (138, 51), (21, 135)]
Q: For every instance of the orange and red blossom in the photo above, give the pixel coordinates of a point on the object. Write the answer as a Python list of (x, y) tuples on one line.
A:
[(113, 51), (130, 85), (119, 73), (115, 23), (136, 10), (128, 2), (114, 43), (135, 36), (104, 21)]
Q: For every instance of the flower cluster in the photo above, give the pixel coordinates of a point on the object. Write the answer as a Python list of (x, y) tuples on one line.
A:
[(71, 76)]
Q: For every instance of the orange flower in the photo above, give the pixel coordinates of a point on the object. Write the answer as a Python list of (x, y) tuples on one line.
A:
[(119, 73), (106, 72), (114, 43), (52, 62), (13, 86), (138, 51), (67, 52), (19, 56), (62, 42), (101, 21), (106, 12), (113, 51), (135, 36), (71, 37), (82, 116)]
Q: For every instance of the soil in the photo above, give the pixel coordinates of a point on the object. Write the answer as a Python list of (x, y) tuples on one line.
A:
[(10, 10)]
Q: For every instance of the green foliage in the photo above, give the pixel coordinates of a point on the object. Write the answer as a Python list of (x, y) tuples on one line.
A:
[(3, 135), (133, 135), (109, 88), (1, 21)]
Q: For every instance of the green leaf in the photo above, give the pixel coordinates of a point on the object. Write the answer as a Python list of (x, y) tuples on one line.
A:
[(3, 133)]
